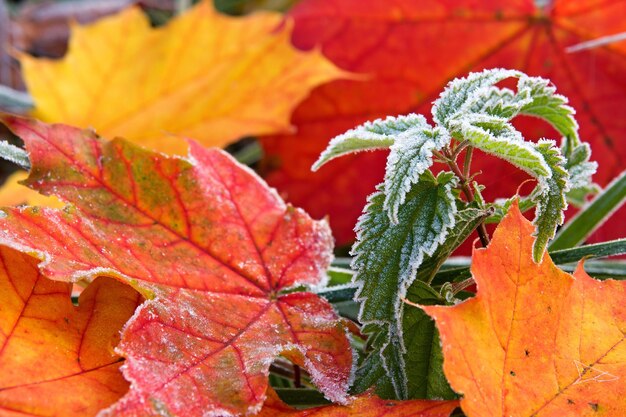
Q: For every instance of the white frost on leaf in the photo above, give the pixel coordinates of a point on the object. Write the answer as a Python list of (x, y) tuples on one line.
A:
[(550, 199), (411, 155), (378, 134), (387, 256), (504, 144), (546, 104), (460, 91)]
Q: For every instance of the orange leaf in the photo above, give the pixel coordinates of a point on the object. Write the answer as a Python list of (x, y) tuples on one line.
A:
[(12, 193), (210, 244), (409, 51), (535, 341), (204, 75), (366, 405), (57, 359)]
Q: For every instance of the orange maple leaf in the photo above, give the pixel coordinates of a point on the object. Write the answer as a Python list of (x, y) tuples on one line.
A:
[(205, 75), (57, 359), (535, 341)]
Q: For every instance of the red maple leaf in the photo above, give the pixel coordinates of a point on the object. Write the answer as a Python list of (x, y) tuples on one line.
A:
[(211, 247), (409, 50)]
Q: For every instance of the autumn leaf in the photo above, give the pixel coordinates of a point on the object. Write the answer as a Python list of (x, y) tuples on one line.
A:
[(204, 75), (58, 359), (210, 245), (366, 405), (535, 341), (12, 193), (409, 51)]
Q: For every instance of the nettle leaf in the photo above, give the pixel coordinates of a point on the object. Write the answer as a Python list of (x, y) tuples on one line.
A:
[(468, 90), (580, 171), (497, 137), (535, 341), (387, 256), (465, 222), (411, 155), (549, 106), (550, 198), (422, 355), (209, 244), (378, 134), (494, 101), (57, 359)]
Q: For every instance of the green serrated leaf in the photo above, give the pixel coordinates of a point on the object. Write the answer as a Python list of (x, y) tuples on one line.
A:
[(503, 141), (379, 134), (459, 92), (423, 359), (465, 222), (501, 207), (387, 256), (550, 198), (581, 171), (549, 106), (494, 101), (411, 155)]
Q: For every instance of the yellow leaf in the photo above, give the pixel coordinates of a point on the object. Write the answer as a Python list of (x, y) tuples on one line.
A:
[(12, 193), (206, 76)]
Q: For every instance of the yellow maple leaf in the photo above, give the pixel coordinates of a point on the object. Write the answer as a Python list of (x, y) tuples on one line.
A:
[(206, 76)]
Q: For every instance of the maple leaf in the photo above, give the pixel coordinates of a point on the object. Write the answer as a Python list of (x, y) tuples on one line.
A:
[(535, 341), (366, 405), (57, 359), (409, 51), (127, 79), (210, 245)]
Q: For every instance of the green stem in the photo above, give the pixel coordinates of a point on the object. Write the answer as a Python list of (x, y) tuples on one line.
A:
[(465, 188)]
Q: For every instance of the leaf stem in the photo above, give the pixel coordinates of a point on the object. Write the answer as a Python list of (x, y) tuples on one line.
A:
[(469, 194)]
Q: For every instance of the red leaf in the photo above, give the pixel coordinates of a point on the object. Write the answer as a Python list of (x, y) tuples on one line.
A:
[(409, 50), (212, 247), (57, 359)]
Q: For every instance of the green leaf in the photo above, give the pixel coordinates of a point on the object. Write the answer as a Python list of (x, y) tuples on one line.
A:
[(501, 207), (423, 358), (549, 106), (592, 216), (387, 256), (379, 134), (499, 138), (14, 154), (458, 92), (411, 155), (581, 170), (465, 222), (494, 101), (550, 198)]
